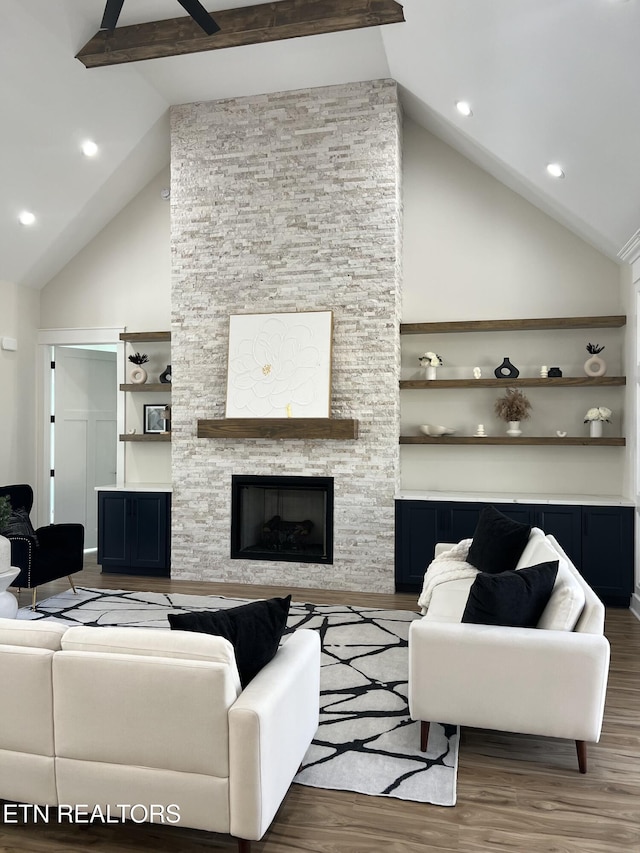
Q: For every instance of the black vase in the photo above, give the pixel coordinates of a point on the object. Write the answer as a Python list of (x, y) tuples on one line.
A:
[(506, 370), (165, 376)]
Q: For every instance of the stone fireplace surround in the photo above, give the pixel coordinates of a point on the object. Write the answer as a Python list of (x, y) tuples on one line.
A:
[(288, 202)]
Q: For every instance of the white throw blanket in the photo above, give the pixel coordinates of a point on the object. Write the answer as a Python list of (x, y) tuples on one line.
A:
[(449, 566)]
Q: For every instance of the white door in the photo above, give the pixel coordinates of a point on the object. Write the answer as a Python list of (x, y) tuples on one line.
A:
[(84, 434)]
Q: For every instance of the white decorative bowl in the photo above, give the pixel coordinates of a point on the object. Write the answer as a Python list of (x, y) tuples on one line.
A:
[(434, 431)]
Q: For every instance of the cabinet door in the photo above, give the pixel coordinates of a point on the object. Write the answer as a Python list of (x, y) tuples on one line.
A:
[(149, 541), (607, 552), (113, 530), (563, 522), (416, 537)]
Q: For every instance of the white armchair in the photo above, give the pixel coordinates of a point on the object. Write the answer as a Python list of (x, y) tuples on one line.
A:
[(528, 680)]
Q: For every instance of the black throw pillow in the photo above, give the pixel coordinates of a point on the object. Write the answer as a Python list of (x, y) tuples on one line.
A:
[(498, 542), (516, 599), (254, 629), (19, 524)]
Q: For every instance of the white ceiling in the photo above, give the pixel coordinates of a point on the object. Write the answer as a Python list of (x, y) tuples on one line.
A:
[(548, 80)]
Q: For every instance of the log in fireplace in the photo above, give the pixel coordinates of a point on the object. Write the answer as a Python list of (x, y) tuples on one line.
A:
[(282, 518)]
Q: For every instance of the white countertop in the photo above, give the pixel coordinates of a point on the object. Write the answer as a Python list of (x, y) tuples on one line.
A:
[(136, 487), (509, 497)]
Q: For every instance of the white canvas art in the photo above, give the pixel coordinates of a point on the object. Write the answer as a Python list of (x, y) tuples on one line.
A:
[(279, 365)]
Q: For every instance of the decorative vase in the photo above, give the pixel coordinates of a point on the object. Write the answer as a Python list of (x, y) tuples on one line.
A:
[(506, 370), (431, 372), (595, 429), (138, 375), (514, 428), (165, 376), (595, 366)]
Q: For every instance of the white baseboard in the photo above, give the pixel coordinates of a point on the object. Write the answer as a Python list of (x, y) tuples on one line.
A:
[(635, 605)]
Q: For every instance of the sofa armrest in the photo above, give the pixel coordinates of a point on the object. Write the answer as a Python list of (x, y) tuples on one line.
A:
[(513, 679), (441, 547), (271, 726)]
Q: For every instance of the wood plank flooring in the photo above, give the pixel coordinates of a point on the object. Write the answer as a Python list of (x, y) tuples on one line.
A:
[(516, 793)]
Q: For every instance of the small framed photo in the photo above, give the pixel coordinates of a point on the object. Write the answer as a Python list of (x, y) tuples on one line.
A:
[(155, 418)]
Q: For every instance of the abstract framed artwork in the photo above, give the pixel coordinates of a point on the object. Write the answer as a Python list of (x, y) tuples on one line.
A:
[(154, 418), (279, 365)]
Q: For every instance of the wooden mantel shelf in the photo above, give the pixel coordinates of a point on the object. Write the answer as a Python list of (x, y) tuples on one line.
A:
[(315, 428), (524, 382)]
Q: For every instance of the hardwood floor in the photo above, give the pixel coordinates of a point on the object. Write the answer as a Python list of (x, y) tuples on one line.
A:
[(516, 793)]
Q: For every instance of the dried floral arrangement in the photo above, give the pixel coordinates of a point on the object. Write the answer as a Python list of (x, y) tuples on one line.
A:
[(514, 406), (5, 512), (139, 358), (594, 349)]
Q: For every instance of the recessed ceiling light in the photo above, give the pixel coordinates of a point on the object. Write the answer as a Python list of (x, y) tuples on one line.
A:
[(555, 170), (464, 108), (89, 148), (26, 217)]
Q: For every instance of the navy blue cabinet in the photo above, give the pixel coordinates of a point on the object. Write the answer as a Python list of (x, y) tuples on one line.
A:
[(597, 539), (134, 533)]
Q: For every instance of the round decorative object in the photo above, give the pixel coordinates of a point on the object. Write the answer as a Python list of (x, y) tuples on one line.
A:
[(480, 433), (477, 373), (435, 430), (514, 428), (165, 376), (431, 372), (595, 366), (544, 371), (138, 375), (561, 433), (506, 370), (595, 429), (554, 373)]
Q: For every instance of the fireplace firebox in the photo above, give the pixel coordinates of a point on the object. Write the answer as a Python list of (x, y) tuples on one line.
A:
[(282, 518)]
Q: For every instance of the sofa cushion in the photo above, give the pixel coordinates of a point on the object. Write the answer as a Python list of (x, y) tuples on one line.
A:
[(254, 629), (498, 542), (566, 603), (150, 642), (516, 599), (37, 634)]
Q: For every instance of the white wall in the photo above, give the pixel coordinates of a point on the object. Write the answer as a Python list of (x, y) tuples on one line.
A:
[(122, 278), (473, 250), (19, 320)]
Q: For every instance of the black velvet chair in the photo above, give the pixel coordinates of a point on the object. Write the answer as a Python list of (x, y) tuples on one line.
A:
[(54, 552)]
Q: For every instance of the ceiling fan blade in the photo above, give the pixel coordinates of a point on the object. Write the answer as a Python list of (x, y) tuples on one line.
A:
[(111, 14), (199, 15)]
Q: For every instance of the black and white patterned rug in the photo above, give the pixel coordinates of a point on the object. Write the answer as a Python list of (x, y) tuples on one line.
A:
[(366, 741)]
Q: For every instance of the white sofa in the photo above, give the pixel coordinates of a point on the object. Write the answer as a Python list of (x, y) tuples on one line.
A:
[(113, 717), (549, 680)]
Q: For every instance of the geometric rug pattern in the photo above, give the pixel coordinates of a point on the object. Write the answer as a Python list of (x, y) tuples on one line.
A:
[(366, 741)]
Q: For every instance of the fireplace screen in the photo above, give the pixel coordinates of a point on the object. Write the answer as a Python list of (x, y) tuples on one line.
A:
[(282, 518)]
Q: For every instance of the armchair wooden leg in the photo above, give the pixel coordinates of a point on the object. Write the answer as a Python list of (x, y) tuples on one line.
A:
[(244, 846), (72, 586), (581, 747), (424, 735)]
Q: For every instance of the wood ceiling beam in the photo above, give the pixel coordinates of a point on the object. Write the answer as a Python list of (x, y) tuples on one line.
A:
[(265, 22)]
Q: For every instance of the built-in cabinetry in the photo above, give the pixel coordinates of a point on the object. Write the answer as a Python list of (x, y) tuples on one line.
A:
[(135, 338), (134, 532), (564, 383), (599, 539)]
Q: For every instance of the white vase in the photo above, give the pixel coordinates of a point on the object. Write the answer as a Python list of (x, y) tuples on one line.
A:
[(431, 372), (138, 375), (595, 366), (514, 428), (595, 429)]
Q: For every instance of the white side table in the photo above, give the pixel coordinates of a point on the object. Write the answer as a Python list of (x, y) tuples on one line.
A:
[(8, 601)]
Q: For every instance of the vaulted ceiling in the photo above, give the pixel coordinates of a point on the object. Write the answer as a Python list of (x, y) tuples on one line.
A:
[(547, 80)]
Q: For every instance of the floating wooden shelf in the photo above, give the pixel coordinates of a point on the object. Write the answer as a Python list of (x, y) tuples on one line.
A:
[(613, 321), (155, 387), (616, 441), (523, 382), (315, 428), (154, 436), (145, 337)]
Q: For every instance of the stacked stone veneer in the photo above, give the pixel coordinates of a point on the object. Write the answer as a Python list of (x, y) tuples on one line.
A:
[(288, 202)]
